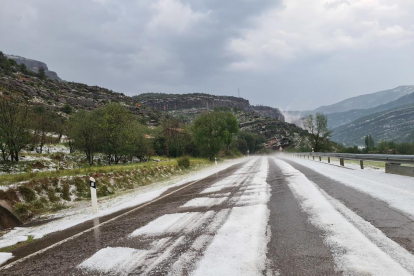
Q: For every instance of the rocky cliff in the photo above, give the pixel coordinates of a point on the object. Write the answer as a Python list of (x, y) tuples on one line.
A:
[(200, 101), (34, 65)]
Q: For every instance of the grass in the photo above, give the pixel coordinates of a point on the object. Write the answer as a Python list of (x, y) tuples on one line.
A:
[(366, 163), (8, 179), (30, 239)]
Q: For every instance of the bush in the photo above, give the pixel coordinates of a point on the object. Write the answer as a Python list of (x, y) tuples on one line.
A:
[(27, 193), (104, 191), (66, 192), (183, 162), (22, 210), (9, 195), (58, 206), (52, 195)]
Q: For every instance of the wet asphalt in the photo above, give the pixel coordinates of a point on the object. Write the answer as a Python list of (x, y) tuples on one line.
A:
[(295, 246)]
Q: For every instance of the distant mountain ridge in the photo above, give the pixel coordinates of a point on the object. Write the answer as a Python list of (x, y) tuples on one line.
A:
[(368, 100), (34, 65), (395, 124), (341, 118)]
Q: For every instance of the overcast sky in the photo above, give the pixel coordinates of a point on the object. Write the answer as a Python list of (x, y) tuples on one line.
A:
[(291, 54)]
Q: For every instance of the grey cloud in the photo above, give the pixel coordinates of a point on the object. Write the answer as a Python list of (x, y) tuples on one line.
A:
[(113, 44)]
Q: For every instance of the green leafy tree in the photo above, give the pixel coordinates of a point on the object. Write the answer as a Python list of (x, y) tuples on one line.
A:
[(84, 130), (317, 126), (214, 130), (14, 126)]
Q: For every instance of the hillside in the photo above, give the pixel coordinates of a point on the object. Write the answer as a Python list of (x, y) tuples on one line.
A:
[(263, 120), (57, 95), (392, 125), (341, 118), (367, 100)]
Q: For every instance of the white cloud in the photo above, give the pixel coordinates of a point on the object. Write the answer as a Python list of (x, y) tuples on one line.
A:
[(304, 28), (174, 16)]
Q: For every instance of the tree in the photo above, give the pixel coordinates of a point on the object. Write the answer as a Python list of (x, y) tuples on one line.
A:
[(317, 126), (42, 73), (84, 131), (369, 143), (213, 130), (14, 126)]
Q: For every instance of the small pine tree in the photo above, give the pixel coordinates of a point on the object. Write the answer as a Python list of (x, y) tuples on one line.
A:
[(42, 73)]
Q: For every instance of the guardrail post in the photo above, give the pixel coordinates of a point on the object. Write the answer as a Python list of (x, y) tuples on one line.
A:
[(361, 162), (320, 158), (313, 158), (308, 156), (341, 162), (329, 160)]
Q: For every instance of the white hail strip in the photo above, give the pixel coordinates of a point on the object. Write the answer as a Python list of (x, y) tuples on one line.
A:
[(353, 252), (174, 223), (114, 260), (395, 190), (4, 257), (204, 202), (240, 245), (231, 180)]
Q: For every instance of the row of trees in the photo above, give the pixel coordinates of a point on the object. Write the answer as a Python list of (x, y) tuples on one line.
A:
[(113, 131), (110, 130)]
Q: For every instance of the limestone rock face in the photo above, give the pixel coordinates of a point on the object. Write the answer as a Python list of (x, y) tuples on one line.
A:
[(200, 101), (34, 65)]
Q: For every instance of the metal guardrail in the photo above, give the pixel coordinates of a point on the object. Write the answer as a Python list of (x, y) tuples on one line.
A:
[(393, 162), (388, 158)]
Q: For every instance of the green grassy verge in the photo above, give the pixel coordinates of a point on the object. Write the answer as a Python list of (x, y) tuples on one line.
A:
[(12, 247), (8, 179)]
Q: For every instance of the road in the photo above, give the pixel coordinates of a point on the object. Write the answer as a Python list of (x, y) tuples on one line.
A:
[(264, 216)]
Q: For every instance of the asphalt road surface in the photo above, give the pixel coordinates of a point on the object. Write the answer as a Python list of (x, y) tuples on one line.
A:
[(264, 216)]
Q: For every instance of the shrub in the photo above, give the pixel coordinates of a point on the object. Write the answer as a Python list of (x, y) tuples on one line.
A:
[(27, 193), (22, 210), (9, 195), (58, 206), (52, 195), (104, 190), (66, 192), (38, 204), (183, 162)]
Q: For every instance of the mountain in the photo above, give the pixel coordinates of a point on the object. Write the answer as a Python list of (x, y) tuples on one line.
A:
[(367, 100), (396, 124), (34, 65), (264, 120), (341, 118)]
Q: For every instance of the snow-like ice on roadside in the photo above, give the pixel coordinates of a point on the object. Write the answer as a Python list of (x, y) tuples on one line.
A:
[(398, 253), (240, 245), (4, 257), (396, 190), (354, 253), (231, 180), (174, 223), (114, 260), (83, 212), (204, 202)]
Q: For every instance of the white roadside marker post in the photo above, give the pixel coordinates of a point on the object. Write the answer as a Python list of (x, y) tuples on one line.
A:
[(215, 161), (93, 195)]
